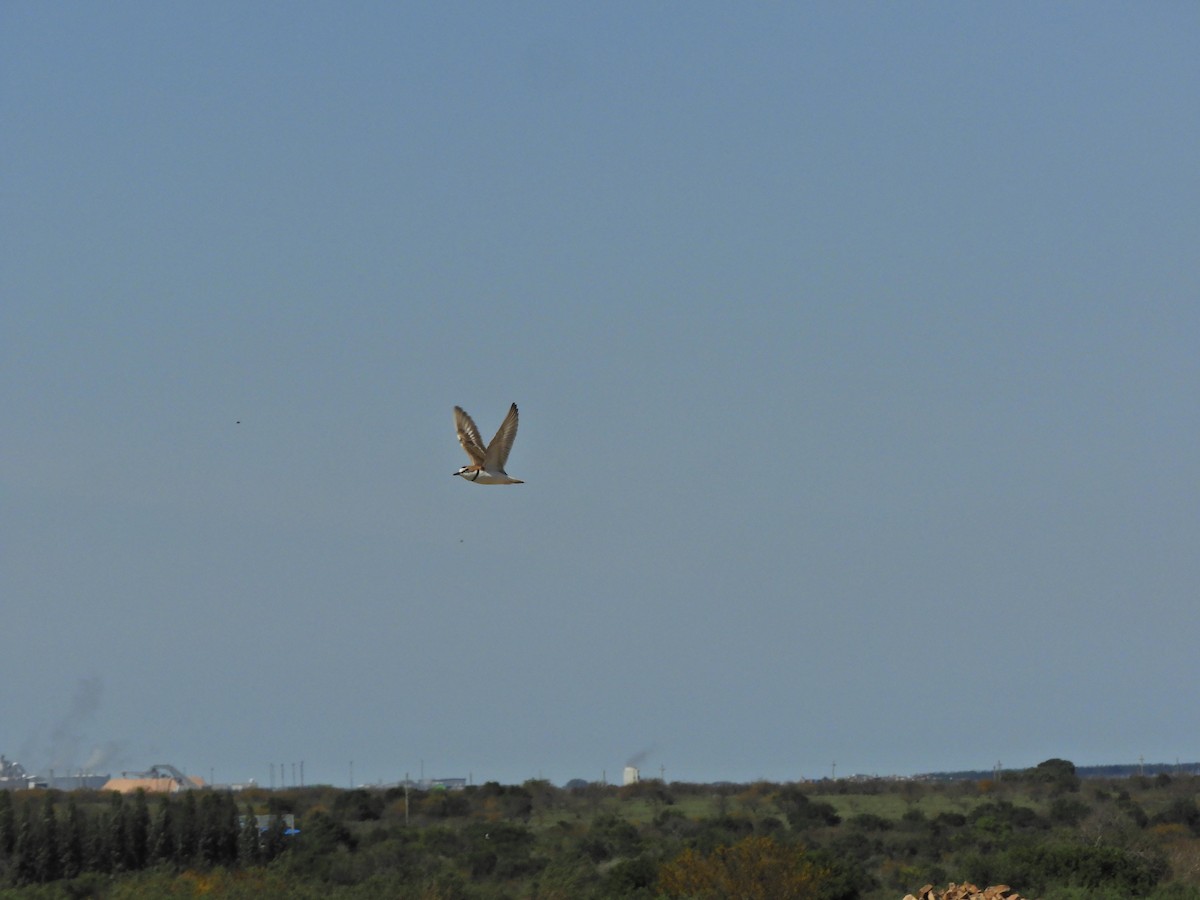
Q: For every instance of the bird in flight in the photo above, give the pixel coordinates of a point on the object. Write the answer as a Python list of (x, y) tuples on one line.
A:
[(487, 461)]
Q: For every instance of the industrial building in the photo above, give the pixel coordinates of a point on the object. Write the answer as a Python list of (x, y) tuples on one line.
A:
[(13, 776)]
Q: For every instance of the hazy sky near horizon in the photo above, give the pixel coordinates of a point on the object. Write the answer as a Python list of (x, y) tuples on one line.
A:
[(857, 347)]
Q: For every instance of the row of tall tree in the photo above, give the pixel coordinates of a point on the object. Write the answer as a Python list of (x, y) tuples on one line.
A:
[(44, 838)]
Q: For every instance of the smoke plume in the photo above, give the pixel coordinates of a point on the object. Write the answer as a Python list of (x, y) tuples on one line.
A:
[(637, 758), (67, 734)]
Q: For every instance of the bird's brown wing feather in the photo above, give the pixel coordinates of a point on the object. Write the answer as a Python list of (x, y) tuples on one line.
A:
[(468, 436), (497, 450)]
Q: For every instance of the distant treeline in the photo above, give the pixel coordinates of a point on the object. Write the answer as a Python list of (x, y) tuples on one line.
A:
[(1116, 770)]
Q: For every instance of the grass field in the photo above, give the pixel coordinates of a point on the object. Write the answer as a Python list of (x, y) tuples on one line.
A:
[(894, 805)]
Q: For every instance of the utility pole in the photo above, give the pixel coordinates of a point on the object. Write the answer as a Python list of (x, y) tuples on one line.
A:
[(351, 774)]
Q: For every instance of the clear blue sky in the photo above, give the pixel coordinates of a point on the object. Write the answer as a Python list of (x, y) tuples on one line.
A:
[(857, 348)]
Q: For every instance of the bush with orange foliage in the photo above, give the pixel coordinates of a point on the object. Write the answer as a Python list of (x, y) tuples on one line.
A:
[(754, 868)]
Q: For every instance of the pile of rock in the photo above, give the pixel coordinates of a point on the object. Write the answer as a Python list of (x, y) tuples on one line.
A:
[(965, 891)]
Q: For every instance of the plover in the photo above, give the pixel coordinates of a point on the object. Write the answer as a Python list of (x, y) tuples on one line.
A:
[(487, 463)]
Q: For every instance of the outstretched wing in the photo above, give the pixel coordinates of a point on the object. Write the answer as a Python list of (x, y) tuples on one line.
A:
[(497, 450), (468, 436)]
